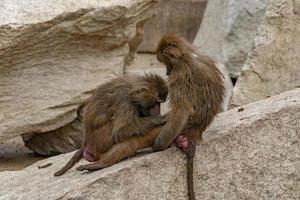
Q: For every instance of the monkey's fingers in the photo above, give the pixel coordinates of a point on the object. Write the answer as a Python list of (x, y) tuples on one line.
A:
[(116, 138), (162, 142), (121, 137)]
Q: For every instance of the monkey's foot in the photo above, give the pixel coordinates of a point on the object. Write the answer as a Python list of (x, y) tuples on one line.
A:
[(91, 167), (182, 142)]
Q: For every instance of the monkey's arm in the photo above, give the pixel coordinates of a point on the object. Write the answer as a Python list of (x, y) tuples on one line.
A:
[(177, 119), (122, 129), (147, 123)]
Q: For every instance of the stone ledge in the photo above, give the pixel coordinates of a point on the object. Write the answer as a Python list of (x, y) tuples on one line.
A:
[(251, 154)]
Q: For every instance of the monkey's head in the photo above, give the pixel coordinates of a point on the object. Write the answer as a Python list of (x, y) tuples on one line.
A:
[(171, 49), (148, 95)]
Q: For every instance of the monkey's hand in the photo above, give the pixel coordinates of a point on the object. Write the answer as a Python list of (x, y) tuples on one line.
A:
[(120, 136), (174, 126), (161, 120), (164, 139)]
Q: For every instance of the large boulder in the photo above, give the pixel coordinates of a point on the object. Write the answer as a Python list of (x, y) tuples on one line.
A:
[(228, 30), (251, 152), (273, 65), (173, 16), (52, 54)]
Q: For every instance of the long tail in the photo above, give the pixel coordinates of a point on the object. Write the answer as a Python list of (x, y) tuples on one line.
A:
[(75, 158), (190, 170)]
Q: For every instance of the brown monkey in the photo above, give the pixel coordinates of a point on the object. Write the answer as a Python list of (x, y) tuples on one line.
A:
[(119, 109), (196, 95)]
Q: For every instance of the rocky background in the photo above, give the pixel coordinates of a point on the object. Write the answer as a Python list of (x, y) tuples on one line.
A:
[(53, 53)]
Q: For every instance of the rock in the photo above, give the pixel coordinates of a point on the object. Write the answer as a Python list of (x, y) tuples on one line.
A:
[(54, 53), (228, 35), (173, 16), (62, 140), (273, 63), (251, 152), (14, 156), (228, 85)]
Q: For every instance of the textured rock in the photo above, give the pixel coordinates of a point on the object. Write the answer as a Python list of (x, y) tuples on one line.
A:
[(54, 53), (228, 86), (228, 35), (248, 153), (273, 65), (14, 156), (173, 16)]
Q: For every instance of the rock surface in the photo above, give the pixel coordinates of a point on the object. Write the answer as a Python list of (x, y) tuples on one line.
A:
[(173, 16), (251, 152), (228, 35), (54, 53), (15, 156), (273, 65)]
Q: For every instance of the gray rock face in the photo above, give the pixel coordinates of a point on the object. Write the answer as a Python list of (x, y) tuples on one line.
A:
[(54, 53), (273, 65), (173, 16), (251, 152), (228, 30), (227, 84)]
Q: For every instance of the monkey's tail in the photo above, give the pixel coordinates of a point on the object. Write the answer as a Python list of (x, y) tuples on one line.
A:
[(190, 170), (75, 158)]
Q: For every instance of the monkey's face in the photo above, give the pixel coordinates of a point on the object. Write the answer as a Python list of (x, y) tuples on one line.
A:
[(149, 94), (147, 101), (173, 49), (170, 51)]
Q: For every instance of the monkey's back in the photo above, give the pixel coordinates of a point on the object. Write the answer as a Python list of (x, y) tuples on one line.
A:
[(107, 99), (200, 83)]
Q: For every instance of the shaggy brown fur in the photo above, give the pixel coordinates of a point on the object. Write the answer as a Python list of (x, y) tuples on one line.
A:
[(195, 87), (119, 109), (196, 95)]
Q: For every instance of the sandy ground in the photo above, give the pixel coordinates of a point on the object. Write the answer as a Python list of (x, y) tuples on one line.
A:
[(15, 156)]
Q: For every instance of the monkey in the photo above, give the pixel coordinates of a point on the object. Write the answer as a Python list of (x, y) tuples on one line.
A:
[(196, 88), (119, 109), (196, 92)]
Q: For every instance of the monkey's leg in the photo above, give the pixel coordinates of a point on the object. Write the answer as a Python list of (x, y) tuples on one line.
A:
[(123, 150), (97, 142), (75, 158), (177, 120)]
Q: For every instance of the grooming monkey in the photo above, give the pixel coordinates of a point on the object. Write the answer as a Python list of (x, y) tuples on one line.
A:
[(119, 109), (196, 92)]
